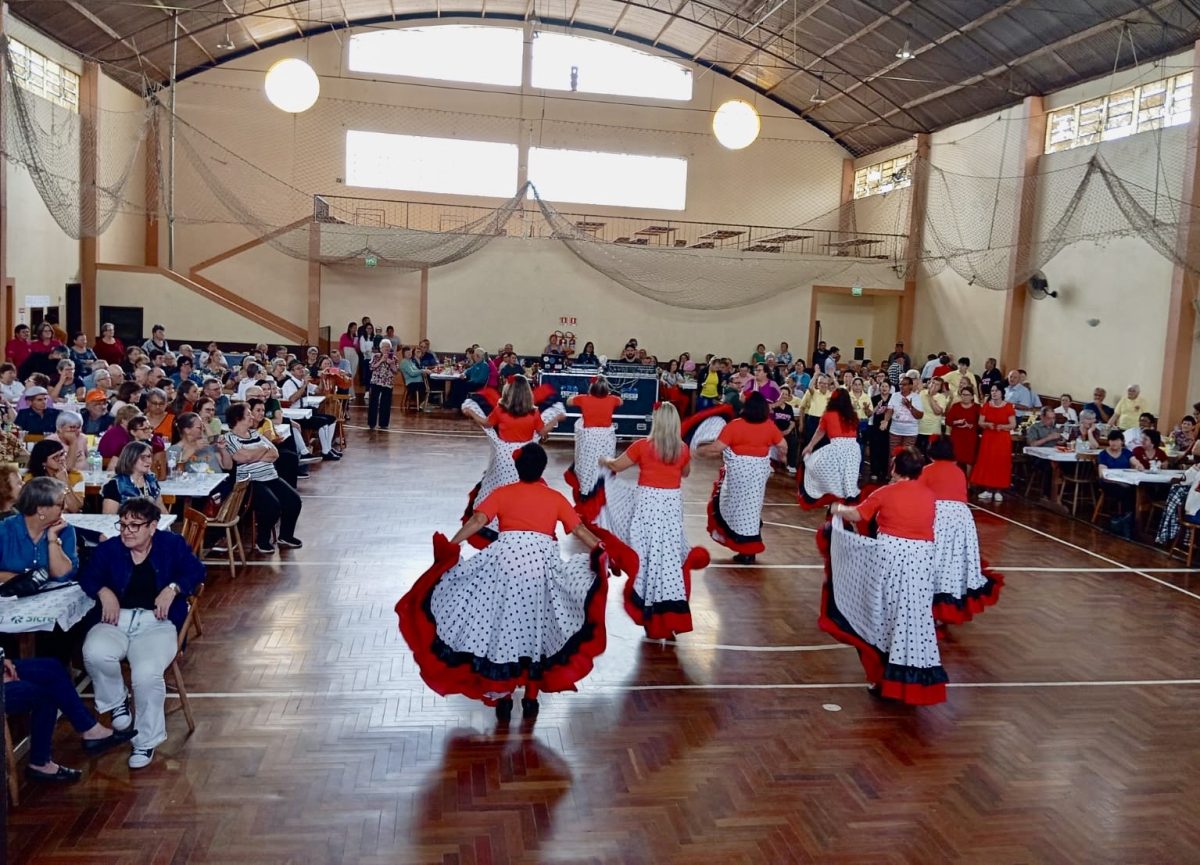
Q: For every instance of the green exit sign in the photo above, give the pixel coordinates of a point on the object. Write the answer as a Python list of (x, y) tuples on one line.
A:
[(373, 261), (856, 290)]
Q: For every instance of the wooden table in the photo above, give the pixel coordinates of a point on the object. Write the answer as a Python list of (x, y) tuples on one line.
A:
[(1142, 482), (1056, 459)]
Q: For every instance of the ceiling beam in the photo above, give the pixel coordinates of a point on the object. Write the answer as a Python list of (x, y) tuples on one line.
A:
[(241, 20), (170, 14), (1080, 36), (670, 20), (114, 35)]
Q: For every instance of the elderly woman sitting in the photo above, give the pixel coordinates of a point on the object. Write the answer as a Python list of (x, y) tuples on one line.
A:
[(133, 478), (37, 536), (142, 580), (1087, 431), (68, 429), (49, 460)]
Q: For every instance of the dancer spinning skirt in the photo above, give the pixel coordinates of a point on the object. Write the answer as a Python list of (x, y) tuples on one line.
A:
[(878, 595), (656, 596), (705, 426), (831, 473), (735, 510), (515, 615), (962, 586), (595, 439), (514, 422)]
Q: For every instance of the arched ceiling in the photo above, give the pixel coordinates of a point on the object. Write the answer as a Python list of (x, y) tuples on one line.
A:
[(970, 57)]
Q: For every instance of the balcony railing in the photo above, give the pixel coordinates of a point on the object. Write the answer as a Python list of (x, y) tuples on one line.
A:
[(633, 231)]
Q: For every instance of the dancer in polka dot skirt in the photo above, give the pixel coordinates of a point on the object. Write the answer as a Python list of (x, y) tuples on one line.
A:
[(831, 473), (656, 596), (595, 439), (963, 586), (513, 423), (878, 595), (735, 510), (515, 615)]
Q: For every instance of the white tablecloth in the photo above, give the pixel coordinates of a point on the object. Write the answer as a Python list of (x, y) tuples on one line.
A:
[(1055, 455), (292, 413), (106, 524), (42, 612), (1133, 478), (197, 484)]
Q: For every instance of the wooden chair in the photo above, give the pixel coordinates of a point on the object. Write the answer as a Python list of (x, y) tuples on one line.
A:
[(228, 518), (1081, 482), (10, 758), (176, 675), (195, 524), (1192, 529)]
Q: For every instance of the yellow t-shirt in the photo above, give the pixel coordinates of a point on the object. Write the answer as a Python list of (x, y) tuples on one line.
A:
[(709, 388), (930, 424), (814, 403), (862, 405), (1127, 412)]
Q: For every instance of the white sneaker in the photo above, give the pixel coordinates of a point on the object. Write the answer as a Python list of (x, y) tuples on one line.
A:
[(791, 470), (140, 758), (985, 496), (121, 719), (997, 498)]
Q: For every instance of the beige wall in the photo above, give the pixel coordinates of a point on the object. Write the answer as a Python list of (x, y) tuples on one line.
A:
[(123, 242), (183, 313), (845, 319), (389, 296)]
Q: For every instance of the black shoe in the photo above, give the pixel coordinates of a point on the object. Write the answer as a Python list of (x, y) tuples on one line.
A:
[(338, 452), (504, 709), (303, 474), (743, 559), (265, 549), (99, 746), (309, 458), (330, 457), (294, 543), (529, 708), (63, 775)]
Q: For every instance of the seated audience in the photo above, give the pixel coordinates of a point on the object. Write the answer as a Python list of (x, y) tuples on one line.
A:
[(133, 477), (37, 536), (587, 357), (39, 417), (129, 393), (294, 388), (117, 435), (142, 580), (108, 347), (1148, 451), (212, 389), (288, 464), (157, 340), (96, 416), (185, 371), (157, 413), (1087, 431), (415, 386), (1116, 456), (273, 499), (1125, 415), (48, 460), (1044, 432), (68, 429), (186, 395), (11, 388), (425, 356), (10, 488), (1184, 435), (1064, 413)]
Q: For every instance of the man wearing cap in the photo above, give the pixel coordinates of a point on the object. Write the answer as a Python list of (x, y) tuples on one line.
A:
[(39, 417), (96, 418)]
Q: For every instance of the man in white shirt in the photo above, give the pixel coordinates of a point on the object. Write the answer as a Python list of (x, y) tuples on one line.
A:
[(904, 410), (292, 391), (930, 366), (1020, 396), (251, 372), (831, 361)]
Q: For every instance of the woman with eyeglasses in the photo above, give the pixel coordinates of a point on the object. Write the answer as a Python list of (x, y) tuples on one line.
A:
[(142, 579), (49, 460), (133, 477), (161, 420), (37, 536)]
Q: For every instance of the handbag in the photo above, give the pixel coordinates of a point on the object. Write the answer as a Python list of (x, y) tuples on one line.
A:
[(24, 584)]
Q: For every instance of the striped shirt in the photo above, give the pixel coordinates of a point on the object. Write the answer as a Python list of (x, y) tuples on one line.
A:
[(259, 470)]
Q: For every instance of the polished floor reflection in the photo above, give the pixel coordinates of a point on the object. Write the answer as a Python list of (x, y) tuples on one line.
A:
[(1069, 735)]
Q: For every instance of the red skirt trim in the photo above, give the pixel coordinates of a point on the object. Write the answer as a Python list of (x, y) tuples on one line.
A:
[(959, 611), (420, 632), (484, 536), (688, 428), (588, 507), (874, 662)]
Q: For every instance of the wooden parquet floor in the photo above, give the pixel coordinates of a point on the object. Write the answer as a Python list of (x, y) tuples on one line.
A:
[(1069, 738)]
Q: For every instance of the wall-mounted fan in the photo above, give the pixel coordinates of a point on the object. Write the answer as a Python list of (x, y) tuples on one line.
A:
[(1039, 286)]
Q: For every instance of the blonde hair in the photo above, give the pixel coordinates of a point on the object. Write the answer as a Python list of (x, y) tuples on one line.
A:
[(517, 398), (664, 433), (126, 413)]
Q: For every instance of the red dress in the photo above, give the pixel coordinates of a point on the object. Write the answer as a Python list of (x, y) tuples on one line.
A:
[(965, 439), (993, 468)]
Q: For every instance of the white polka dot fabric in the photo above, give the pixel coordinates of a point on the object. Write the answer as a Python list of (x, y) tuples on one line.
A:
[(884, 588), (743, 485), (657, 536), (620, 499), (956, 567), (501, 470), (708, 431), (592, 443), (553, 413), (833, 469), (514, 599)]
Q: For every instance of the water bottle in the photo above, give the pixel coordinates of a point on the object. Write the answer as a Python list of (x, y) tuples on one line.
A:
[(95, 461)]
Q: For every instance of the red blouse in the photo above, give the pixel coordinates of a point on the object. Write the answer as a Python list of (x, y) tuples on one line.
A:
[(945, 480), (905, 509), (750, 439), (836, 428), (531, 507), (515, 429), (597, 411), (655, 472)]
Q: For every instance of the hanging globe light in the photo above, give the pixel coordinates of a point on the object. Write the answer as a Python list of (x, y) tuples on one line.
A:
[(292, 85), (736, 124)]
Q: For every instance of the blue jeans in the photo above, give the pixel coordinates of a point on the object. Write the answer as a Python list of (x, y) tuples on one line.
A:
[(42, 690)]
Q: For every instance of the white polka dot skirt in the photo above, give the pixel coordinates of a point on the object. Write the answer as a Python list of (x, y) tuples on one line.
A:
[(735, 511), (707, 431), (833, 470), (501, 471), (620, 500), (515, 605), (879, 598), (592, 443), (961, 587), (657, 597)]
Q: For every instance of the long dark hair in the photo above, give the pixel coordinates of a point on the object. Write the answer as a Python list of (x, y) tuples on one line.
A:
[(756, 409), (840, 402)]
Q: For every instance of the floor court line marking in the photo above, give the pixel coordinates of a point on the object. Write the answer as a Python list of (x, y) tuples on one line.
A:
[(1089, 552), (418, 686)]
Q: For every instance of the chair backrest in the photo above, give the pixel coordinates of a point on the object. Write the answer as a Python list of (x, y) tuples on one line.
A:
[(231, 508), (193, 601), (194, 525)]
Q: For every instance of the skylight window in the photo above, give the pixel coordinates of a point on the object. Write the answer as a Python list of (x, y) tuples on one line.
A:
[(575, 63)]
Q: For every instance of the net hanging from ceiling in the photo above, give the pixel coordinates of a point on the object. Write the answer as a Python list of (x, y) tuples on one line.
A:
[(975, 196)]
